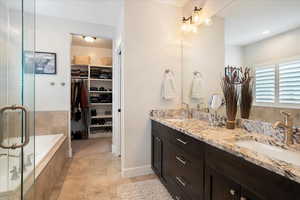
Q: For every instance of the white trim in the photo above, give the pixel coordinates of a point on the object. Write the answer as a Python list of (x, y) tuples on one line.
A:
[(137, 171), (291, 106), (115, 150)]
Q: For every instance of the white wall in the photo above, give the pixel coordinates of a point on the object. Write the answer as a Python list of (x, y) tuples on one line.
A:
[(93, 52), (274, 49), (234, 55), (53, 35), (151, 45), (204, 52)]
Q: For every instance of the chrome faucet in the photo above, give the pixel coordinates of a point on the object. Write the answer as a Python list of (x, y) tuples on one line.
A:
[(187, 110), (287, 124)]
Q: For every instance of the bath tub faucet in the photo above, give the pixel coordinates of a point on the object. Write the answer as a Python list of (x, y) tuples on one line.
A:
[(14, 174), (287, 124)]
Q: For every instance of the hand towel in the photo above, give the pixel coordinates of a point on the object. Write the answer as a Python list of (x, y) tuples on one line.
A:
[(169, 87), (196, 87)]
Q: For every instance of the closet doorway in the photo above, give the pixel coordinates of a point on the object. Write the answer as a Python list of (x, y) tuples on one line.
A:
[(91, 93)]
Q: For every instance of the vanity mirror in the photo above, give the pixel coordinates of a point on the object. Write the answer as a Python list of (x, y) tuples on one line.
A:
[(263, 35)]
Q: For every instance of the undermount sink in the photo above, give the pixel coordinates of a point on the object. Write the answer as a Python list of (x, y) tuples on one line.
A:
[(278, 153)]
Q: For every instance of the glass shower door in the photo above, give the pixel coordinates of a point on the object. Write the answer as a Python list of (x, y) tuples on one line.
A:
[(17, 44)]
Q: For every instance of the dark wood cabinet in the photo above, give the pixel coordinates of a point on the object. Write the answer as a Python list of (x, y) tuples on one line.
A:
[(193, 170), (247, 195), (220, 187), (157, 151)]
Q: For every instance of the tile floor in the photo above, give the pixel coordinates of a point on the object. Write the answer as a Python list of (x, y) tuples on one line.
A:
[(92, 174)]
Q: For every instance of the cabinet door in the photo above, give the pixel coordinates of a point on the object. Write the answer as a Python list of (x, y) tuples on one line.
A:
[(157, 151), (219, 187), (247, 195)]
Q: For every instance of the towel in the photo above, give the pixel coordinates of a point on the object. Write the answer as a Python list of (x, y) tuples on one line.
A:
[(169, 87), (196, 87)]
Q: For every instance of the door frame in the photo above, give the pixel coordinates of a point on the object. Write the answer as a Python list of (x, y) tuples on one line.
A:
[(118, 84)]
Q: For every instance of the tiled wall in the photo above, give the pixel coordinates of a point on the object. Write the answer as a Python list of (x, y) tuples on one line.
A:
[(271, 114), (51, 122), (46, 123), (49, 176)]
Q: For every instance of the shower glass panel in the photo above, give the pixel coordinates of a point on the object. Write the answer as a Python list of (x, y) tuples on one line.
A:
[(17, 45)]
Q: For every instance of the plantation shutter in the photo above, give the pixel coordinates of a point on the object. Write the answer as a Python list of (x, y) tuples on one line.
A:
[(289, 82), (265, 84)]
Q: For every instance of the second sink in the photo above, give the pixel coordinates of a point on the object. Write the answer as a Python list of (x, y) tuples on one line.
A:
[(278, 153)]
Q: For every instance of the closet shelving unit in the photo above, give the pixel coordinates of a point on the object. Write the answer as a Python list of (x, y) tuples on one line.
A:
[(91, 81)]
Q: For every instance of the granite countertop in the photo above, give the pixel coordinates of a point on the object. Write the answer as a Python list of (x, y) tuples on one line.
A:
[(225, 139)]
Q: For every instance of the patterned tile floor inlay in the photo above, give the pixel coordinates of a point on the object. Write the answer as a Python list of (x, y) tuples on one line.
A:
[(93, 174), (146, 190)]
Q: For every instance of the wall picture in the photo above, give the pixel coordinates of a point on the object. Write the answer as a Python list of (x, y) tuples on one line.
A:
[(45, 63)]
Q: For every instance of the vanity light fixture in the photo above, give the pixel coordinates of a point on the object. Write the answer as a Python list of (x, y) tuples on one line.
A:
[(208, 22), (190, 24), (89, 39), (196, 16)]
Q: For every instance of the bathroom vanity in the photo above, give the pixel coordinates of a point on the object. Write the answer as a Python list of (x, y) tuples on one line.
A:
[(195, 161)]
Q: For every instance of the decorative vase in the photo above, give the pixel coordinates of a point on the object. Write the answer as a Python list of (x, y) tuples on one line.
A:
[(230, 124)]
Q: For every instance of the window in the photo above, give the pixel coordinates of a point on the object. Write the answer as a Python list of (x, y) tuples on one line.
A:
[(265, 84), (278, 84), (289, 82)]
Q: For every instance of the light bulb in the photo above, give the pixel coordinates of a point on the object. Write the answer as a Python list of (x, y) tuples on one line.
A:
[(197, 19), (208, 21), (196, 16), (184, 27), (89, 39)]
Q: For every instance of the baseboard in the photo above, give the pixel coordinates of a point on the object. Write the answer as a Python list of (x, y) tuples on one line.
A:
[(114, 150), (137, 171)]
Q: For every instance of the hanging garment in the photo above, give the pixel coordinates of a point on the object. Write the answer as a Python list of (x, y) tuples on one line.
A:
[(169, 87), (196, 87)]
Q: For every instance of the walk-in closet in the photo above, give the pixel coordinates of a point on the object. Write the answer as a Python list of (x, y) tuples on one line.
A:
[(91, 88)]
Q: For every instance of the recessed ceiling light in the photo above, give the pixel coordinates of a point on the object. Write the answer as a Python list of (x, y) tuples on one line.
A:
[(89, 39), (266, 32)]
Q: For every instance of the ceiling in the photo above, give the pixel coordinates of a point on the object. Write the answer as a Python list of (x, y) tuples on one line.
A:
[(99, 43), (105, 12), (178, 3), (245, 21)]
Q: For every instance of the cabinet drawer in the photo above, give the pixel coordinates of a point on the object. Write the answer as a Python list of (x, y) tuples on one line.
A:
[(177, 193), (186, 171), (186, 142)]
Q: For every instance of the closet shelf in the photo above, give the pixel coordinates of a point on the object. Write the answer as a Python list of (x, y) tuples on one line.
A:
[(103, 92), (100, 134), (101, 66), (96, 79), (102, 117), (101, 104), (98, 126), (79, 78)]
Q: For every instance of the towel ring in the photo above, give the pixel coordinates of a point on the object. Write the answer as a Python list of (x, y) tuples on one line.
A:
[(197, 73)]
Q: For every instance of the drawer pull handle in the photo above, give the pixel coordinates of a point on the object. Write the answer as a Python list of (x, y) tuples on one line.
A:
[(181, 160), (158, 139), (177, 198), (179, 180), (181, 141), (232, 192), (243, 198)]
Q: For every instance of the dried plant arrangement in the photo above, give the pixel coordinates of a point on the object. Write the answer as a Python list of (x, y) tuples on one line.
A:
[(246, 94), (229, 87)]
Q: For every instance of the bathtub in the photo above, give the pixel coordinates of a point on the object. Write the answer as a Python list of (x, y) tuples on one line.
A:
[(45, 148)]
